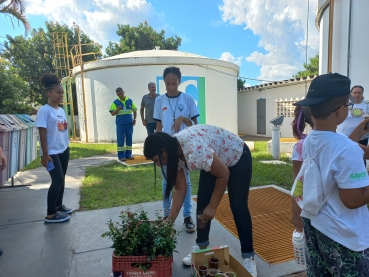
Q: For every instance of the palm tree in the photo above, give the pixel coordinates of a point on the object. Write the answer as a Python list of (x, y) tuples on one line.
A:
[(16, 9)]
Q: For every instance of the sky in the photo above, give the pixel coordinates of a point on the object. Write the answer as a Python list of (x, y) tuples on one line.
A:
[(266, 38)]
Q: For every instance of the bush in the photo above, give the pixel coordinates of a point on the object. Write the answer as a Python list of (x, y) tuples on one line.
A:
[(136, 235)]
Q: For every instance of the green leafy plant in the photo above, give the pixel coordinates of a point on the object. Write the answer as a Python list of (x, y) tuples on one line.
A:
[(137, 235)]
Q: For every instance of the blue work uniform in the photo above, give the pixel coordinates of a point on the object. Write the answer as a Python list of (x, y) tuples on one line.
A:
[(124, 120)]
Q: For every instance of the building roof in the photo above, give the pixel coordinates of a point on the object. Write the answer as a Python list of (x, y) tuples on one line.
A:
[(155, 53), (282, 83)]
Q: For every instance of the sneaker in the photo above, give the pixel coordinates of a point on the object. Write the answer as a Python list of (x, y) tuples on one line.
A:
[(130, 158), (188, 259), (250, 265), (189, 225), (122, 160), (64, 209), (58, 217)]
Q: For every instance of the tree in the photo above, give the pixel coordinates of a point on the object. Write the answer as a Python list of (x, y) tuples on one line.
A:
[(240, 84), (142, 37), (34, 56), (311, 68), (16, 9), (13, 91)]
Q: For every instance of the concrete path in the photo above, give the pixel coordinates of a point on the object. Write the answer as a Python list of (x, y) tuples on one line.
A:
[(75, 248)]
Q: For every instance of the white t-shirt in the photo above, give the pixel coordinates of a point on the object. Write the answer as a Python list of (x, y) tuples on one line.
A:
[(56, 124), (169, 108), (341, 166), (200, 142), (297, 151), (354, 117)]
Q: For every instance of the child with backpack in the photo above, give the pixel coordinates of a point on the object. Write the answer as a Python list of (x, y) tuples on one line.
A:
[(333, 185), (301, 120)]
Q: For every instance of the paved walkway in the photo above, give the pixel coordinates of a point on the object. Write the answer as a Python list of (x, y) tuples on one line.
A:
[(75, 248)]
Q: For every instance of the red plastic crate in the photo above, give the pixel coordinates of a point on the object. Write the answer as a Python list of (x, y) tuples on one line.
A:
[(160, 266)]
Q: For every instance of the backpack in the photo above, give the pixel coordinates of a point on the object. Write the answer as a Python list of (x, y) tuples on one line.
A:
[(307, 189)]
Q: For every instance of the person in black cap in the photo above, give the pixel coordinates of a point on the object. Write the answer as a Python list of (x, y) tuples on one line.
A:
[(337, 228)]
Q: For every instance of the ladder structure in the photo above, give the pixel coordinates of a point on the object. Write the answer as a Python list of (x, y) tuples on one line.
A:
[(65, 59), (63, 70)]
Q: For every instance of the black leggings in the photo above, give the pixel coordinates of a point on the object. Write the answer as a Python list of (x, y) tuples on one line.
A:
[(238, 193), (56, 190)]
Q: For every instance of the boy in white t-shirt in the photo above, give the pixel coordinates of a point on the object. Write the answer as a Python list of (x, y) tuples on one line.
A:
[(337, 236)]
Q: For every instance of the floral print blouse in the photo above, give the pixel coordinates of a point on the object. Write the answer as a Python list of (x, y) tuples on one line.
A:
[(199, 142)]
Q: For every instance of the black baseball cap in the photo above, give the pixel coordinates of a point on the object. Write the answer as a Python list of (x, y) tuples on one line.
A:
[(324, 87), (118, 89)]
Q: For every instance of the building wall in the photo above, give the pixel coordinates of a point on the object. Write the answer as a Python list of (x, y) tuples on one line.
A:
[(220, 105), (359, 54), (247, 107)]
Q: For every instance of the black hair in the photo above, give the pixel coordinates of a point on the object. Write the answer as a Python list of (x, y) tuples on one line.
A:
[(325, 108), (302, 117), (49, 81), (174, 70), (357, 86), (156, 144)]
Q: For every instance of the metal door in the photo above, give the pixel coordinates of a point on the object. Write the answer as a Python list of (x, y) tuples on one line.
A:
[(261, 116)]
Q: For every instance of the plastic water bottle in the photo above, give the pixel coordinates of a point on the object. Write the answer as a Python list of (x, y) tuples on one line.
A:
[(298, 241)]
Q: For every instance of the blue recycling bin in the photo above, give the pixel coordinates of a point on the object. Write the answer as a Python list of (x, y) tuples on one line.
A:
[(34, 137), (29, 138), (13, 145), (5, 135)]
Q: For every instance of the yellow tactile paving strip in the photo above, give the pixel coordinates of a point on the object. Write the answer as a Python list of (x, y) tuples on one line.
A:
[(138, 160), (272, 231)]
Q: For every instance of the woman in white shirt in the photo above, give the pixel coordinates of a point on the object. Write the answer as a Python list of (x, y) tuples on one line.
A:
[(224, 160), (356, 114), (52, 125)]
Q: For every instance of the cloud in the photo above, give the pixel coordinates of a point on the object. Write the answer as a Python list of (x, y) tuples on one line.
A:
[(281, 27), (98, 18), (228, 57)]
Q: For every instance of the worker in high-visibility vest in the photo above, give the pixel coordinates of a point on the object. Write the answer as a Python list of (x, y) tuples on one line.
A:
[(122, 108)]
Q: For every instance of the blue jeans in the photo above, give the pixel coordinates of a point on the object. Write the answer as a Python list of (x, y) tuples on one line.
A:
[(238, 193), (187, 201), (150, 127), (124, 134)]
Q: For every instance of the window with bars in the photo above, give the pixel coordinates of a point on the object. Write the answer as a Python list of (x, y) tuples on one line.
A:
[(286, 108)]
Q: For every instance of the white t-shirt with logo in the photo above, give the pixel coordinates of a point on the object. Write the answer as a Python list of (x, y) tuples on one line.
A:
[(354, 117), (341, 166), (56, 124), (167, 109)]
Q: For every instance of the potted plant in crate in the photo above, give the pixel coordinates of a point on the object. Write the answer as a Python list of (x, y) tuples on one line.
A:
[(142, 244)]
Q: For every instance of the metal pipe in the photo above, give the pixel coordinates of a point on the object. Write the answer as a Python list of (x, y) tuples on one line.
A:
[(349, 42), (83, 84), (330, 36)]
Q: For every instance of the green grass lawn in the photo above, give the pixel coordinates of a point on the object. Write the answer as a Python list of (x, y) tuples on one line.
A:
[(79, 150), (114, 185)]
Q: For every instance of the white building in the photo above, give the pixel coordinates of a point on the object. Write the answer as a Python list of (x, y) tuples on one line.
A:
[(213, 84), (257, 105), (347, 50)]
